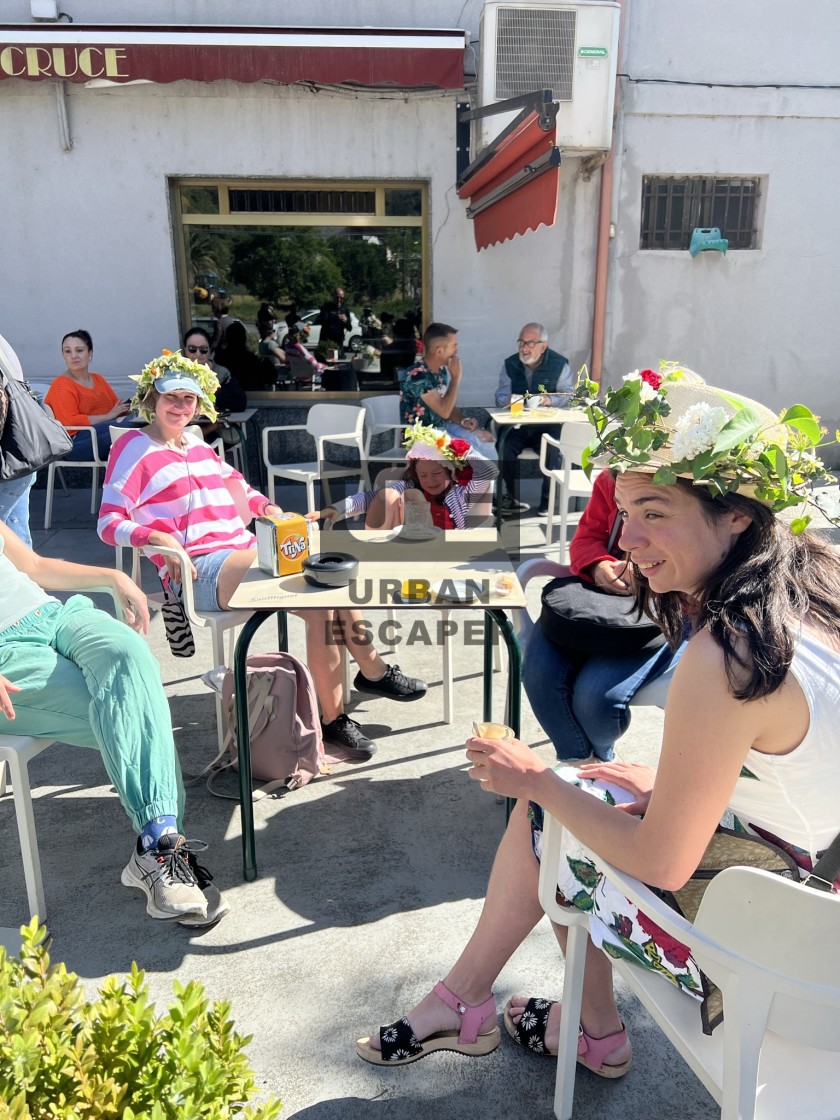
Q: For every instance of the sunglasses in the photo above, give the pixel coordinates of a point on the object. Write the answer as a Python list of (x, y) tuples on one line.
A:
[(198, 349)]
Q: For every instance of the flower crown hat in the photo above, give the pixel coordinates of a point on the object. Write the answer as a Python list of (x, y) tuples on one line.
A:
[(425, 442), (171, 373), (671, 424)]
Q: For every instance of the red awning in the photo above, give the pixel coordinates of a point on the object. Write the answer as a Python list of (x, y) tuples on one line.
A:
[(517, 188), (407, 59)]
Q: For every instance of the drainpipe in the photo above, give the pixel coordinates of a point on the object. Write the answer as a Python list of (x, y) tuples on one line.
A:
[(64, 132), (602, 251)]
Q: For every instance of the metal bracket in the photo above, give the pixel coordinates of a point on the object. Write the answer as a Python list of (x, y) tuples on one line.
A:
[(541, 101)]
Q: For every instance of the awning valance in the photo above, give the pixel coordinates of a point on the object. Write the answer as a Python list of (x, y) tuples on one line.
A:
[(514, 187), (405, 59)]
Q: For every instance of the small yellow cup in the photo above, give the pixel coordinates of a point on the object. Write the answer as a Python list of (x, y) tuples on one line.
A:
[(517, 405), (492, 731)]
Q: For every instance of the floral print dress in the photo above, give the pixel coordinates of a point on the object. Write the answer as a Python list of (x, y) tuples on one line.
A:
[(616, 925)]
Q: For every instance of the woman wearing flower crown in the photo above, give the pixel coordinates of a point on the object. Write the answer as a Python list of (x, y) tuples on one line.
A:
[(700, 475), (444, 476), (165, 487)]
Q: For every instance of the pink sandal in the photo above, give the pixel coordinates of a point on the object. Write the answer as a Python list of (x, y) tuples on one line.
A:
[(399, 1046), (592, 1051)]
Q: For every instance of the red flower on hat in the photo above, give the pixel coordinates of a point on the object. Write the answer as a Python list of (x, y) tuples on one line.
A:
[(653, 379), (459, 447)]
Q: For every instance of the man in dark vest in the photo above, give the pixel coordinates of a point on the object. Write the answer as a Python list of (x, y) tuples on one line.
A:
[(533, 371)]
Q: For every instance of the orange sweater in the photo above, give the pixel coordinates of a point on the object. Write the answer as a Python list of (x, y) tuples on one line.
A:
[(73, 404)]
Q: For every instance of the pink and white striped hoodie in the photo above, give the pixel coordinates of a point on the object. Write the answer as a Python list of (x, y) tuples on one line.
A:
[(150, 487)]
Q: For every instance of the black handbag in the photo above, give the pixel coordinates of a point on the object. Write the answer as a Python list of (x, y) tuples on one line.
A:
[(580, 616), (30, 439)]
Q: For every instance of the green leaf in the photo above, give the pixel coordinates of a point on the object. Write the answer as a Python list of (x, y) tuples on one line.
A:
[(742, 426), (664, 477), (803, 419), (585, 872), (799, 525), (583, 901)]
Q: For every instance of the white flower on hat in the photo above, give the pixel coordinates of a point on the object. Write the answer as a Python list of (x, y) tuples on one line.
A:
[(697, 431)]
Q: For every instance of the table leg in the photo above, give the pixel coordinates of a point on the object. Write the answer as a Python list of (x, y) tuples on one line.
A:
[(243, 741), (500, 486), (488, 669), (514, 693)]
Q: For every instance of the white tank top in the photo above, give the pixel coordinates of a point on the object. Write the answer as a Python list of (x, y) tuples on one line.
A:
[(797, 795), (18, 593)]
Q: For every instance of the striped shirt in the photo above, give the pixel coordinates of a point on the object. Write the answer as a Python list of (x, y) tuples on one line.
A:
[(150, 487)]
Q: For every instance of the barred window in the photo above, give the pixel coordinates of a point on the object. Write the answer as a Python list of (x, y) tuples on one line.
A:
[(674, 205)]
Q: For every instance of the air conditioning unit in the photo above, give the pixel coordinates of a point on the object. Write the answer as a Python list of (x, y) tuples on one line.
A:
[(568, 48)]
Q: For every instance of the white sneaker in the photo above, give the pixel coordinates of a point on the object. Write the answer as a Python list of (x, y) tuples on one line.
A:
[(217, 907), (164, 875)]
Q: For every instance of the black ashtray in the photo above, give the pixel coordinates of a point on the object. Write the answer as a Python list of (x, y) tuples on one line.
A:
[(330, 569)]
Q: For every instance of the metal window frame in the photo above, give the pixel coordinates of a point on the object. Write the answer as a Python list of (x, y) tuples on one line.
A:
[(730, 202), (236, 219)]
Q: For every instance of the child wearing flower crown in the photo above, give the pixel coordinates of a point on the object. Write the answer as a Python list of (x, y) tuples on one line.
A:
[(446, 475)]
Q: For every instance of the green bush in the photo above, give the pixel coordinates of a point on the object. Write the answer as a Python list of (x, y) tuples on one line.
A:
[(65, 1057)]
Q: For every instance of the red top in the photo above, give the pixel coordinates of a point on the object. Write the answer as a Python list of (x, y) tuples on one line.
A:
[(440, 512), (589, 544)]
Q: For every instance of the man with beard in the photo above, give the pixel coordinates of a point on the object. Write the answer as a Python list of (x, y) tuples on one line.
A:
[(534, 370)]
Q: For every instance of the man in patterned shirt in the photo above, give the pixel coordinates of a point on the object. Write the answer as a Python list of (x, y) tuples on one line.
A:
[(430, 391)]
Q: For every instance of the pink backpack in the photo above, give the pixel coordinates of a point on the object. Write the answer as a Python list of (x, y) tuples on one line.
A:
[(287, 749)]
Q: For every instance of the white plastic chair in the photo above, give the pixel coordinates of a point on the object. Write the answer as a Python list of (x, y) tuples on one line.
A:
[(16, 752), (383, 415), (326, 423), (650, 695), (568, 479), (771, 947), (86, 464)]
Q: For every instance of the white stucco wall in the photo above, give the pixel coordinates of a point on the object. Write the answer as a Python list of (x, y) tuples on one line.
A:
[(91, 227)]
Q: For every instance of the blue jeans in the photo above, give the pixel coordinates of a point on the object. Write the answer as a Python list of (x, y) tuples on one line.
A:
[(458, 431), (582, 700), (14, 506), (82, 450)]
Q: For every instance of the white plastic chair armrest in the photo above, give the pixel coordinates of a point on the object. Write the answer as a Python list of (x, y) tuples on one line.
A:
[(187, 596), (545, 442), (104, 590), (541, 567), (277, 428), (333, 437)]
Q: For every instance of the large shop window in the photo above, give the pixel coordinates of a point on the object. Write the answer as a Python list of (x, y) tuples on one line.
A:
[(290, 243), (674, 205)]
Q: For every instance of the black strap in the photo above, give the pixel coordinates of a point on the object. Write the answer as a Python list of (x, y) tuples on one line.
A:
[(616, 529), (826, 870)]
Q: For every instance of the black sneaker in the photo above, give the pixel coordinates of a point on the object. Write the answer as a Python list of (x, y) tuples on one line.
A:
[(511, 505), (543, 509), (395, 685), (344, 732)]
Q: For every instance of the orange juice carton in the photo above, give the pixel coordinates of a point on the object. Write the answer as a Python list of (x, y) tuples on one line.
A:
[(282, 543)]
